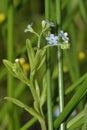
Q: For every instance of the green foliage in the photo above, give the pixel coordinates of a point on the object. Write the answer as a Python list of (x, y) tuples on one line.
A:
[(3, 6), (73, 20), (78, 120), (17, 71), (22, 105), (71, 104)]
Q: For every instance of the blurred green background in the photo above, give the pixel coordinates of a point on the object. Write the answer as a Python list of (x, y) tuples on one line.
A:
[(15, 15)]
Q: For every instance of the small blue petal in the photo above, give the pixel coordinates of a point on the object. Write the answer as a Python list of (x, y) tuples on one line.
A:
[(52, 35), (52, 39), (64, 35), (26, 30), (56, 37), (50, 23), (29, 25), (47, 38)]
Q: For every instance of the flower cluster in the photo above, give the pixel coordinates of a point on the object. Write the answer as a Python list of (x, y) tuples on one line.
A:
[(62, 39)]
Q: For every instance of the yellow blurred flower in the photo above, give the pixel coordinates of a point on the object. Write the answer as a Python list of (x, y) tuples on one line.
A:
[(22, 60), (81, 55), (26, 67), (24, 64), (2, 17)]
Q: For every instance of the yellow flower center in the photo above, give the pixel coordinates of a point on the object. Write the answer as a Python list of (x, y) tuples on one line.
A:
[(52, 39)]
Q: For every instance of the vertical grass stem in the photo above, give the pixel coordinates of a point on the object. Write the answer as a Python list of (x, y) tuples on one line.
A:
[(49, 97), (10, 57), (60, 63)]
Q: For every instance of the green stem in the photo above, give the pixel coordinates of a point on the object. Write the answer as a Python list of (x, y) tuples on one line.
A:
[(60, 63), (58, 13), (60, 83), (39, 40), (39, 37), (10, 44), (49, 95), (29, 124), (47, 9), (43, 125), (49, 98), (10, 57)]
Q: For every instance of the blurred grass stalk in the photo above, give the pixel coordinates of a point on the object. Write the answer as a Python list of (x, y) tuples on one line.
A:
[(10, 56), (60, 63), (74, 68), (49, 95)]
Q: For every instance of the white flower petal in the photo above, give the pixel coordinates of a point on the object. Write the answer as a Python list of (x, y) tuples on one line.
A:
[(65, 34), (17, 60)]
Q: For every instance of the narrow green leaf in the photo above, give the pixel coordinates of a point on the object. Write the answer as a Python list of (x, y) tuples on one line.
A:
[(30, 51), (10, 66), (25, 107), (15, 101), (41, 62), (38, 58), (43, 94), (76, 84), (28, 124), (85, 118), (37, 88), (77, 124), (74, 123), (71, 105), (36, 102), (40, 70), (17, 71)]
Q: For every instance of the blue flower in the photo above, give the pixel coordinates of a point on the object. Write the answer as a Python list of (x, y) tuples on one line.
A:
[(56, 111), (29, 28), (64, 36), (50, 23), (46, 23), (52, 39)]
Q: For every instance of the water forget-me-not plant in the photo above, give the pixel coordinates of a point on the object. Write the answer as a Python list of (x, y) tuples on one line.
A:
[(37, 75), (41, 70)]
